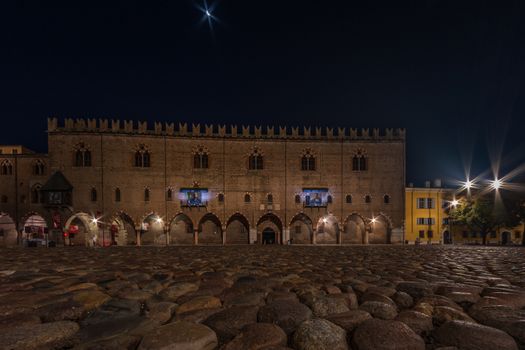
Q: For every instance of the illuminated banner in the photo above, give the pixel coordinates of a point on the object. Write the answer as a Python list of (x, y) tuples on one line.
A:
[(194, 197), (315, 197)]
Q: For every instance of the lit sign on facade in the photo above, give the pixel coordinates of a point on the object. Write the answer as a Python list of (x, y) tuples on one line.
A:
[(315, 197), (194, 197)]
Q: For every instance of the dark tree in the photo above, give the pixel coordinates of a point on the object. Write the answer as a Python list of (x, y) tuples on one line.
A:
[(487, 213)]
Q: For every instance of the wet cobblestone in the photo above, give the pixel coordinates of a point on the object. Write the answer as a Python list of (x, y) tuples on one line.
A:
[(263, 297)]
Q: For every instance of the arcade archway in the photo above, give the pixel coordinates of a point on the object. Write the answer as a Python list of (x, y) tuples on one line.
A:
[(327, 230), (237, 230), (81, 229), (8, 234), (122, 230), (379, 230), (269, 229), (354, 230), (181, 230), (152, 231), (301, 229), (210, 230)]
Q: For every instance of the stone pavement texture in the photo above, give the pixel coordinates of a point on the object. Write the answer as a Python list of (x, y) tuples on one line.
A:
[(263, 297)]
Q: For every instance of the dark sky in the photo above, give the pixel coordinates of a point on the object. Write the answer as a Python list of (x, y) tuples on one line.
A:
[(451, 72)]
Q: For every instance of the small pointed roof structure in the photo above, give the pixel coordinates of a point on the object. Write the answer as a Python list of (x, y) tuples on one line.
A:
[(57, 183)]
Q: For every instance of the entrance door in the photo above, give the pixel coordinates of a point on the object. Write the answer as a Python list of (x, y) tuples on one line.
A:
[(446, 238), (268, 236), (505, 238)]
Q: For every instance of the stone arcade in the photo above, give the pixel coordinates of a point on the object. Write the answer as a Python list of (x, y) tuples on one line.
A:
[(175, 184)]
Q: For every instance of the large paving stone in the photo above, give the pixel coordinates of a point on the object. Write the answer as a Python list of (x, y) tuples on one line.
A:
[(473, 336), (319, 334), (379, 334), (38, 336), (180, 335), (258, 336), (379, 309), (175, 291), (287, 315), (228, 323), (349, 320)]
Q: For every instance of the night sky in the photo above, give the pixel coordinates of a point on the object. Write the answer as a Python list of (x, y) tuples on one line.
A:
[(453, 75)]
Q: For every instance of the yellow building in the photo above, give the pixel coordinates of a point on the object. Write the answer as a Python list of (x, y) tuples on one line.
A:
[(427, 221)]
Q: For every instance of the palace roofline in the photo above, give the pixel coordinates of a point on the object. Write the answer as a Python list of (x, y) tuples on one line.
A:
[(116, 126)]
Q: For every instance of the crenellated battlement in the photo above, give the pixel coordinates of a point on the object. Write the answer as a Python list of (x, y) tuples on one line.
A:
[(93, 125)]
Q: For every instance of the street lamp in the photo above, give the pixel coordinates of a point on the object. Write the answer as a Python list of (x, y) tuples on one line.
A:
[(496, 184)]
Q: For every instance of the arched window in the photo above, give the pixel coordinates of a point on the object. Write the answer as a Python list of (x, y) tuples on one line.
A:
[(35, 194), (269, 198), (368, 199), (6, 168), (247, 198), (93, 195), (117, 195), (349, 198), (82, 156), (146, 194), (38, 167), (386, 199), (169, 194), (256, 160), (200, 159), (297, 199), (360, 161), (308, 161), (3, 199), (220, 197), (142, 157), (329, 199)]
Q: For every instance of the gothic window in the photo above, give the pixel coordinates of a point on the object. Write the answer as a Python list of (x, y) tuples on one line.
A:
[(146, 195), (93, 195), (247, 198), (169, 194), (6, 168), (200, 159), (117, 195), (3, 199), (82, 156), (360, 161), (308, 161), (386, 199), (297, 199), (256, 160), (142, 157), (368, 199), (35, 194), (349, 198), (269, 198), (38, 167), (220, 197), (329, 199)]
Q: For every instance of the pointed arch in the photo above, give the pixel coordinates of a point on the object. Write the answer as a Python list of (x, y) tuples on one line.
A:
[(210, 229), (269, 229), (327, 231), (8, 232), (380, 229), (301, 229), (354, 230), (122, 230), (6, 167), (181, 230), (82, 230), (152, 230), (237, 230)]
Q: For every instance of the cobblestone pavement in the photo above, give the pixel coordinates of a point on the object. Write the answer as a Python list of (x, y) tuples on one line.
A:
[(263, 297)]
